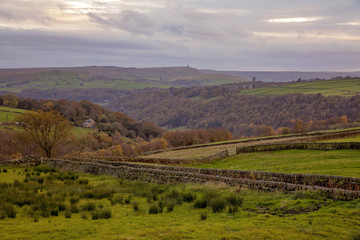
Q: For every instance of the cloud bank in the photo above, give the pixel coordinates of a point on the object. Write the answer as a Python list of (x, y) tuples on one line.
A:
[(223, 35)]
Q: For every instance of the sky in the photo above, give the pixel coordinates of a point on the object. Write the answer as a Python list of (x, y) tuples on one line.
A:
[(261, 35)]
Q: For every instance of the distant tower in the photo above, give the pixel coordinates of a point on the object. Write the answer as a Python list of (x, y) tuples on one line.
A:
[(253, 79), (187, 65)]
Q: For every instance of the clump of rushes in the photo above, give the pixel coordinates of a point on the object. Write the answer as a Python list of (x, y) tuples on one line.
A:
[(153, 209), (101, 214), (135, 206)]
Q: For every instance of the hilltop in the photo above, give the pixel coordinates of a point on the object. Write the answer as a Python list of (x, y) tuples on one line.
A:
[(16, 80)]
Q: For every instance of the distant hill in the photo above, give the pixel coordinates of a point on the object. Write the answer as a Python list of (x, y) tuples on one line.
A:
[(17, 80), (341, 87), (283, 76)]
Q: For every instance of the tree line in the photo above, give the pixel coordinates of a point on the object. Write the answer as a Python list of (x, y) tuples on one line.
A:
[(242, 115)]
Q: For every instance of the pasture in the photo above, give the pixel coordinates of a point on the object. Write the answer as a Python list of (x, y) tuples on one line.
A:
[(341, 87), (82, 206), (335, 162), (9, 114)]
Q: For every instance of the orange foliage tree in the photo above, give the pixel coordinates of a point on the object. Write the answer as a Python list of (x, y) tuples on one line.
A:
[(46, 129)]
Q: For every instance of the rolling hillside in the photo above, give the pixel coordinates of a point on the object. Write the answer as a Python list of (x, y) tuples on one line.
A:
[(16, 80), (342, 87)]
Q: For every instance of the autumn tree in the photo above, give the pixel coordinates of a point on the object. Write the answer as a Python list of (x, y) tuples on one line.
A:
[(10, 100), (46, 129)]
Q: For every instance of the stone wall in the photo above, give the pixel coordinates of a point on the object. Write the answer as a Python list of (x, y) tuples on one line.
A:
[(337, 187), (299, 146), (333, 186), (162, 161)]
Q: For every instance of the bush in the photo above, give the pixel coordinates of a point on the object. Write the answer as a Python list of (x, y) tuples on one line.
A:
[(209, 195), (43, 168), (8, 210), (88, 206), (74, 200), (5, 170), (128, 199), (61, 206), (355, 236), (117, 198), (40, 180), (218, 204), (83, 215), (67, 213), (203, 216), (153, 209), (74, 208), (234, 200), (200, 203), (83, 181), (135, 206), (189, 196), (101, 214)]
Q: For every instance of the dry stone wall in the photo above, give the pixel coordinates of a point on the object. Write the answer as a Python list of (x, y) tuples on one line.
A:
[(333, 186), (162, 161), (299, 146)]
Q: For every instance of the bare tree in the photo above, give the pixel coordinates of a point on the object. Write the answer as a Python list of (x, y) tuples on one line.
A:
[(46, 129)]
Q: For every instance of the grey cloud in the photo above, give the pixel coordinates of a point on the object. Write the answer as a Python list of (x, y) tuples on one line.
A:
[(130, 21)]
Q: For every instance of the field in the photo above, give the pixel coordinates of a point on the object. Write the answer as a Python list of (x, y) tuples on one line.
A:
[(8, 114), (17, 80), (338, 162), (342, 87), (81, 206)]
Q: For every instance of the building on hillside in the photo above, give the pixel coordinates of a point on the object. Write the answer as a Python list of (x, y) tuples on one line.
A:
[(90, 123)]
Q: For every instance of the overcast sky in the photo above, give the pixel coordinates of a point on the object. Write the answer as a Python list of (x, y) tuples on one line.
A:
[(213, 34)]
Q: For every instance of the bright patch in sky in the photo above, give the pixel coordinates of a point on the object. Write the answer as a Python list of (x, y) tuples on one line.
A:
[(294, 20)]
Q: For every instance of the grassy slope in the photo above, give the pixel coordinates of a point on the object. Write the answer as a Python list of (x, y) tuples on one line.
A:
[(108, 78), (339, 162), (342, 87), (8, 114), (335, 220)]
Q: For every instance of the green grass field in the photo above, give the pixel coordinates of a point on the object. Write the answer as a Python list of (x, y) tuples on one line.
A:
[(339, 162), (348, 139), (260, 216), (9, 114), (342, 87)]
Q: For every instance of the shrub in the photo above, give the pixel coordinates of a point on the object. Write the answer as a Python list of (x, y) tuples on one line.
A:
[(209, 195), (67, 213), (218, 204), (153, 209), (101, 214), (234, 202), (189, 196), (74, 200), (7, 210), (43, 168), (54, 212), (355, 236), (128, 199), (40, 180), (88, 206), (74, 208), (61, 206), (200, 203), (2, 215), (203, 216), (83, 181), (135, 206), (117, 198), (83, 215), (5, 170)]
